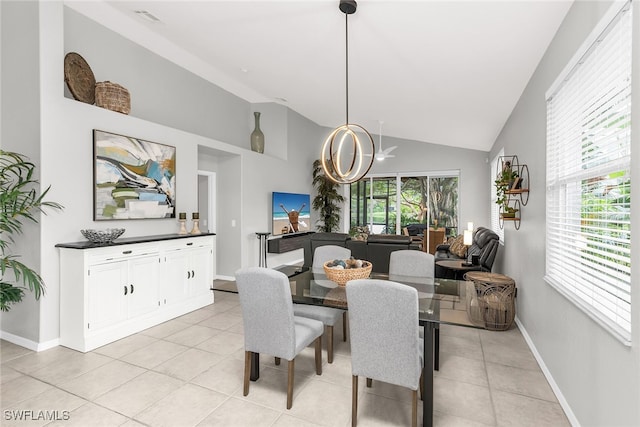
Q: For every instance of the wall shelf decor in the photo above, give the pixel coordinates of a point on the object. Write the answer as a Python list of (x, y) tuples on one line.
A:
[(512, 189)]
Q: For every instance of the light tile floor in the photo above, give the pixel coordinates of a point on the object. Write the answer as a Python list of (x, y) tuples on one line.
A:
[(188, 372)]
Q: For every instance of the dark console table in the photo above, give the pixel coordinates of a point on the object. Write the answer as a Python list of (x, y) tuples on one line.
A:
[(287, 242)]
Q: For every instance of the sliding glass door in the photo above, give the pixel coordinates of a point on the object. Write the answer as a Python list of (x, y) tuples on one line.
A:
[(373, 203), (428, 200)]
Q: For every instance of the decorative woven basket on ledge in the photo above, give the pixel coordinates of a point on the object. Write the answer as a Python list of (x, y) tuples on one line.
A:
[(113, 97), (342, 276)]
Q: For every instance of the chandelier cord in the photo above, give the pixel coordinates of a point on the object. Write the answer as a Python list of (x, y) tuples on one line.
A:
[(346, 40)]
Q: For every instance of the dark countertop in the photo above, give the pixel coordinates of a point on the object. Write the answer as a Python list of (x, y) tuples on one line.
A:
[(129, 240)]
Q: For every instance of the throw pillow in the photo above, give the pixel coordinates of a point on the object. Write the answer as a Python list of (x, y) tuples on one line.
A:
[(457, 247), (359, 232)]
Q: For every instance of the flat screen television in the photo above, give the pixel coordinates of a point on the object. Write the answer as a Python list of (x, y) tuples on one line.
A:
[(290, 213)]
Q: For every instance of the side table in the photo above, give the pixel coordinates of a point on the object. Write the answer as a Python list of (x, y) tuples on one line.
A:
[(496, 298), (458, 267)]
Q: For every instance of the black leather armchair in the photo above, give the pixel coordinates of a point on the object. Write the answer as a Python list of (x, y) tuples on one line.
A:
[(485, 245)]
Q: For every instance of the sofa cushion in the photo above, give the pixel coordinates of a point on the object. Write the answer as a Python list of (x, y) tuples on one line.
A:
[(333, 237), (389, 239)]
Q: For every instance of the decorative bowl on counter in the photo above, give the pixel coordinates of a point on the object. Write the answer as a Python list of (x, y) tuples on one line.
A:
[(102, 236)]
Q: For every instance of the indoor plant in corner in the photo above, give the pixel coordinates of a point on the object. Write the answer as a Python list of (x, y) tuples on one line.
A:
[(327, 201), (19, 201)]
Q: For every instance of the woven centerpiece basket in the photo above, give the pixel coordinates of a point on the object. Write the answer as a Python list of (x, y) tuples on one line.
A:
[(342, 275), (113, 97)]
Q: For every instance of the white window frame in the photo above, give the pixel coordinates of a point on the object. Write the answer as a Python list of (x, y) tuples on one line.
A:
[(585, 260), (495, 208)]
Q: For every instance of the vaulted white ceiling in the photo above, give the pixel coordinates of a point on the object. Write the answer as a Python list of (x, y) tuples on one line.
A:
[(445, 72)]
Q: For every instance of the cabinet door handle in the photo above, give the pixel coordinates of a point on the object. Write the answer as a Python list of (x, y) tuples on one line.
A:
[(125, 289), (189, 244), (126, 252), (188, 275), (131, 288), (193, 274)]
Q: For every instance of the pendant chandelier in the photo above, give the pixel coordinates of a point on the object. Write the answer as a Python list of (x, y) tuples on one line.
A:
[(345, 158)]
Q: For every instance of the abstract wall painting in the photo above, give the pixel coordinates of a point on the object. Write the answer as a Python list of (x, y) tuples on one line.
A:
[(133, 178)]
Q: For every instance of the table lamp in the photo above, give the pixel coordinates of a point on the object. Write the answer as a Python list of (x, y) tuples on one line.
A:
[(467, 240)]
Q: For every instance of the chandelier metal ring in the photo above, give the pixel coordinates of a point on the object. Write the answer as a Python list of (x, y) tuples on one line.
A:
[(336, 169)]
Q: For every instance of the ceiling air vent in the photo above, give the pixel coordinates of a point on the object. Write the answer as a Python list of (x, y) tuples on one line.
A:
[(147, 15)]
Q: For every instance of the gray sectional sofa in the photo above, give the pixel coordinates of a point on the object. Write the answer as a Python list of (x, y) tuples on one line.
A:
[(376, 248)]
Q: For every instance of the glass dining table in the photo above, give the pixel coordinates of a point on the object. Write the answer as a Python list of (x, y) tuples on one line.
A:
[(441, 301)]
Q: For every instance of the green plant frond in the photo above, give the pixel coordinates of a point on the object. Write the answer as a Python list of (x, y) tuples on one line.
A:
[(9, 295), (19, 202), (14, 166), (22, 274)]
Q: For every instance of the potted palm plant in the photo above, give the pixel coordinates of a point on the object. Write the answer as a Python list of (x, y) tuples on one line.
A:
[(19, 202), (327, 201)]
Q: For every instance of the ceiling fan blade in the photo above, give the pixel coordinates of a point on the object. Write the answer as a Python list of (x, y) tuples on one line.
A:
[(390, 149)]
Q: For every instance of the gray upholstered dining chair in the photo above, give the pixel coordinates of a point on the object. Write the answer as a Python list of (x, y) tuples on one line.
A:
[(270, 326), (416, 264), (411, 263), (385, 345), (329, 316)]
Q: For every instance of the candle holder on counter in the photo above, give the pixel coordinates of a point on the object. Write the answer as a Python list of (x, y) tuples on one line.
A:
[(196, 223), (183, 223)]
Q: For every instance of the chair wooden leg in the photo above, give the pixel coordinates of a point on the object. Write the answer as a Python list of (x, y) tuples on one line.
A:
[(277, 361), (354, 400), (290, 384), (344, 326), (369, 382), (330, 344), (319, 355), (414, 409), (247, 371)]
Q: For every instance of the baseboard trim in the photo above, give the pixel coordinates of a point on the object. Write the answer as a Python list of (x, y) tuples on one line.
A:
[(554, 386), (29, 344)]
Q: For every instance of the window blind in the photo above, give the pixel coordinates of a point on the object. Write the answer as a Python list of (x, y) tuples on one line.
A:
[(588, 202)]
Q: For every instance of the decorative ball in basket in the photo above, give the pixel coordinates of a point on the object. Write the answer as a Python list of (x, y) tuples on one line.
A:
[(102, 236), (341, 271)]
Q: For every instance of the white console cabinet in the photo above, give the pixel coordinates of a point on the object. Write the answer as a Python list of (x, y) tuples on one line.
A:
[(187, 272), (110, 292)]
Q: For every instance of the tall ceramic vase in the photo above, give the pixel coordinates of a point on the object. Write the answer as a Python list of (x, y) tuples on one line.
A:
[(257, 137)]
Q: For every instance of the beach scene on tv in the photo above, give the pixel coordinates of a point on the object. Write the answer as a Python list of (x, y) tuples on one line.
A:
[(291, 213)]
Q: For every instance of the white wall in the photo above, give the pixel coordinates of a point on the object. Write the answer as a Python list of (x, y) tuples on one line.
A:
[(597, 375), (20, 131), (413, 156)]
